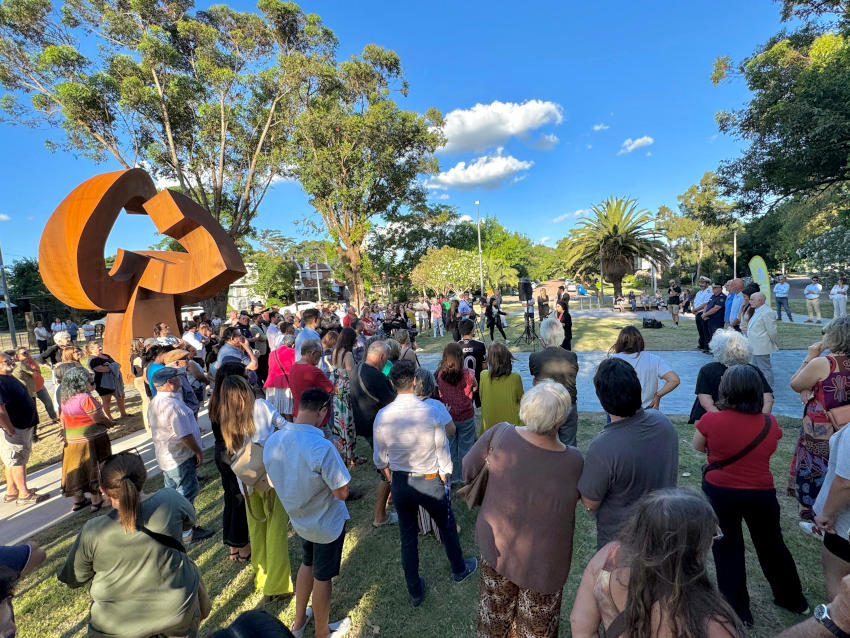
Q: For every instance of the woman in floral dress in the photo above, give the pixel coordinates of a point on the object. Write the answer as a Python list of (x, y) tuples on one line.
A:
[(824, 384), (342, 362)]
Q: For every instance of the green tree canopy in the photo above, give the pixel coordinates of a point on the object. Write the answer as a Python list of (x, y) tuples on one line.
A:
[(445, 269), (358, 155), (616, 235)]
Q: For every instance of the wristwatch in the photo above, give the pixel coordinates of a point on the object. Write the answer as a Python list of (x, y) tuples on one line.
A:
[(822, 616)]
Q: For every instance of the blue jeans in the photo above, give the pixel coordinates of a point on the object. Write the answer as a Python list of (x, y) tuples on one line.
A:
[(409, 492), (782, 302), (460, 444), (184, 479)]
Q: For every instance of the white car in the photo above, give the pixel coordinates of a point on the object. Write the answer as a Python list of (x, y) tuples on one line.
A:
[(298, 306), (571, 288)]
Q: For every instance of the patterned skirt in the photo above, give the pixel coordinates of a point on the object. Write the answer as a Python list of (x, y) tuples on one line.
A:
[(343, 418), (80, 464), (281, 399)]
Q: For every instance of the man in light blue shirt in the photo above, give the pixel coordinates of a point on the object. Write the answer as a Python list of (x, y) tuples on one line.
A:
[(733, 301), (311, 322), (780, 291), (311, 482)]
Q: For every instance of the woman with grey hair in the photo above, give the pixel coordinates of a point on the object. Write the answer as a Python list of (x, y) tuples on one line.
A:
[(823, 382), (87, 443), (560, 365), (526, 543), (729, 348)]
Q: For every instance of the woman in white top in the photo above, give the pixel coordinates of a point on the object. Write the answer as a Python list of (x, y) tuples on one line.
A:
[(650, 368), (42, 336), (838, 294), (245, 420)]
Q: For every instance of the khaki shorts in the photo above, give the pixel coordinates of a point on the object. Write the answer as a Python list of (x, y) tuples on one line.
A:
[(15, 449), (673, 308)]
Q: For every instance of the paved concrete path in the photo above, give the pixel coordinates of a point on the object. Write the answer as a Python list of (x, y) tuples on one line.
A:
[(20, 523), (686, 365)]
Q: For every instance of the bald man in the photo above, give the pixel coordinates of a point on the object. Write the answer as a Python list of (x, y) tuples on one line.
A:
[(761, 333), (370, 391), (733, 301)]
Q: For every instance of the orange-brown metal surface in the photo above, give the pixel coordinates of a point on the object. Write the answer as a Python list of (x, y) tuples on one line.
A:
[(144, 286)]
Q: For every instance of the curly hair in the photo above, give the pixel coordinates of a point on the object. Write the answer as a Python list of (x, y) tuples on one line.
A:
[(76, 380), (836, 335), (730, 347)]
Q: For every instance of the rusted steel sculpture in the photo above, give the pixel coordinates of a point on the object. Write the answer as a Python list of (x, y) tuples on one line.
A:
[(144, 286)]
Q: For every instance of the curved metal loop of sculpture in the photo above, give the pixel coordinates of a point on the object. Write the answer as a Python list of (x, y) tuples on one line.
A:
[(143, 286)]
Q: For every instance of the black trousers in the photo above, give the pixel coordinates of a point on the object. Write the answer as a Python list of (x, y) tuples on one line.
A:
[(234, 523), (760, 510), (409, 492), (499, 326), (702, 329)]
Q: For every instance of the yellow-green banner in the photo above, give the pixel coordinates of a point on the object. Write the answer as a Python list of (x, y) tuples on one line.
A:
[(758, 270)]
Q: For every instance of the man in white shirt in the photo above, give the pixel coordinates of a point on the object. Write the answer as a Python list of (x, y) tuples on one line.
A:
[(177, 441), (412, 451), (311, 482), (812, 294), (761, 333), (780, 291), (193, 338), (701, 299)]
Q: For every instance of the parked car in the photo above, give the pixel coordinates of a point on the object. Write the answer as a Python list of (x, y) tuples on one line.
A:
[(298, 306)]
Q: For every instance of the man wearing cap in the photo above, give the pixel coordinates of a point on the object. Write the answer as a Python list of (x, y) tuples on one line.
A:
[(674, 299), (712, 316), (780, 291), (701, 299), (812, 294), (177, 441)]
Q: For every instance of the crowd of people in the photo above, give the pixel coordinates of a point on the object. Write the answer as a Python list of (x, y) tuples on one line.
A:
[(290, 395)]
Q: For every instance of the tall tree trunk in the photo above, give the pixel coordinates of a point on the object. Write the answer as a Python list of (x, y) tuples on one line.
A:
[(216, 306), (352, 262), (616, 280)]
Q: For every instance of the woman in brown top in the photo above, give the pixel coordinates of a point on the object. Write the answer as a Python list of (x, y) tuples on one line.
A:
[(525, 526)]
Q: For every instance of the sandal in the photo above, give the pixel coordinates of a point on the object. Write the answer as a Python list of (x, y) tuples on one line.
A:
[(234, 554), (243, 559), (95, 507), (10, 498), (32, 499), (79, 505)]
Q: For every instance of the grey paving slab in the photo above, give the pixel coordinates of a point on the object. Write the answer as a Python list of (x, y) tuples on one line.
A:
[(686, 365)]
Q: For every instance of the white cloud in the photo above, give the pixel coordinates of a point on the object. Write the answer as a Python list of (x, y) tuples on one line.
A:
[(543, 240), (444, 196), (5, 218), (649, 154), (562, 218), (546, 142), (629, 144), (485, 125), (600, 127), (465, 218), (489, 171)]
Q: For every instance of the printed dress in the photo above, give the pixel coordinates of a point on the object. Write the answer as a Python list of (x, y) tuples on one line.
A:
[(811, 457), (343, 418)]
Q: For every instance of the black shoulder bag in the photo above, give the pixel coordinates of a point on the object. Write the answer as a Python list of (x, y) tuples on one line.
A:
[(717, 465), (162, 539)]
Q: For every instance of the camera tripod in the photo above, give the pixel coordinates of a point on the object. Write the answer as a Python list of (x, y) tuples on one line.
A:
[(529, 335)]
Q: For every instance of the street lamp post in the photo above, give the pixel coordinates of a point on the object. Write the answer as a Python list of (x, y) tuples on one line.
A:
[(480, 262), (4, 285)]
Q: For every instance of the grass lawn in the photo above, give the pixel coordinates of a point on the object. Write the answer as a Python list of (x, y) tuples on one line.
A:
[(599, 334), (371, 586), (799, 306)]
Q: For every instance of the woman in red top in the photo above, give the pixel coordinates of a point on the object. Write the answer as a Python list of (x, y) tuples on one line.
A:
[(743, 490), (457, 387), (277, 387)]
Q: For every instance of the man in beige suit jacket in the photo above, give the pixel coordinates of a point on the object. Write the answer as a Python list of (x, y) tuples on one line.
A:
[(761, 333)]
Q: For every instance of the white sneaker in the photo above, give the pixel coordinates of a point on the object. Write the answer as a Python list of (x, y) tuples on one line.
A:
[(811, 528), (339, 628), (299, 633)]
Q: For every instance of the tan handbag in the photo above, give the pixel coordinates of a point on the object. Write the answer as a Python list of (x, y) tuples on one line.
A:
[(473, 492), (839, 417)]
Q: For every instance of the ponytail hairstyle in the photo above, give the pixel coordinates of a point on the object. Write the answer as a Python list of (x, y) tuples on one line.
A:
[(122, 477)]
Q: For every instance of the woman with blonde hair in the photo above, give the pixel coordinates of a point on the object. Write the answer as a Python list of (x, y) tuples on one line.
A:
[(84, 424), (141, 581), (500, 388), (245, 420)]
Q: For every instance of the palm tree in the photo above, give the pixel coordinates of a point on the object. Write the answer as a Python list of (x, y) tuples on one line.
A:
[(618, 234)]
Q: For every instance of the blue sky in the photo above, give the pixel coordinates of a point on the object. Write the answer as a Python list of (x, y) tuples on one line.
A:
[(549, 109)]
